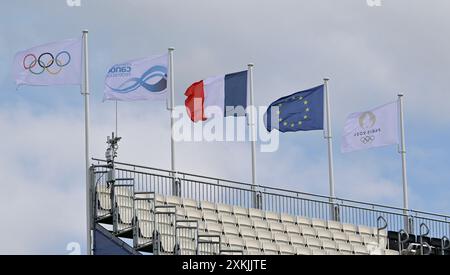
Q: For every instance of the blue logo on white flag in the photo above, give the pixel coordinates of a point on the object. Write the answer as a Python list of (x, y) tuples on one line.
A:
[(141, 79), (145, 81)]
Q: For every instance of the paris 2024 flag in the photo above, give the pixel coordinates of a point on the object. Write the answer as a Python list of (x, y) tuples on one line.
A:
[(373, 128), (56, 63)]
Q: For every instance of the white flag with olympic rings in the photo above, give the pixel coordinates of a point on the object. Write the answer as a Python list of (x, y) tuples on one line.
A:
[(57, 63)]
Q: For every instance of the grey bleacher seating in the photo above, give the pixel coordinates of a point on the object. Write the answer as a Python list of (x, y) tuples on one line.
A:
[(260, 224), (360, 249), (288, 219), (175, 201), (103, 200), (286, 249), (293, 229), (301, 250), (334, 226), (256, 214), (349, 228), (313, 243), (241, 230), (355, 239), (329, 245), (272, 216), (213, 228), (224, 209), (159, 199), (225, 218), (316, 223), (190, 203), (236, 243), (240, 211), (340, 237), (193, 214), (324, 234), (303, 221), (207, 206), (308, 231), (333, 252), (210, 217), (244, 222), (281, 238), (248, 233), (264, 235), (345, 248), (316, 251), (230, 230), (252, 247), (270, 248), (365, 230), (276, 227), (297, 240)]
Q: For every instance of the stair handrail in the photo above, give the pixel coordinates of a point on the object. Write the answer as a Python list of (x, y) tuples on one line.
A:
[(402, 232), (422, 235), (379, 228), (445, 244), (429, 249)]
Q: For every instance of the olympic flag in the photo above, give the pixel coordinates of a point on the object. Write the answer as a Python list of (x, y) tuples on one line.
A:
[(57, 63), (140, 79), (374, 128)]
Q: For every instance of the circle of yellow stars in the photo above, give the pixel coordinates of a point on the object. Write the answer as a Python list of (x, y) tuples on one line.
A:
[(307, 109)]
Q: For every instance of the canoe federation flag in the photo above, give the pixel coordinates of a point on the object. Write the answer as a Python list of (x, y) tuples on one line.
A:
[(224, 91), (373, 128), (140, 79), (56, 63)]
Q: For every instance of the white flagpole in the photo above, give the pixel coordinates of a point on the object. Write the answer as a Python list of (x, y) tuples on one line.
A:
[(172, 107), (329, 138), (117, 134), (85, 92), (253, 134), (402, 151)]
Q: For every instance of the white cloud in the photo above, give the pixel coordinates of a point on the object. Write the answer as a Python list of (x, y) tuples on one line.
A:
[(370, 55)]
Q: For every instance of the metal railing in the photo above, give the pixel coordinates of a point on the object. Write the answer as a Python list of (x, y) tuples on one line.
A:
[(209, 244), (202, 188), (186, 237)]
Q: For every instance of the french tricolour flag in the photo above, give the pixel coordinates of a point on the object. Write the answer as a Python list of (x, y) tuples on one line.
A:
[(224, 91)]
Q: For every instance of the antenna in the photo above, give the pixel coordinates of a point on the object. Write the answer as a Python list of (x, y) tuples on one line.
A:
[(113, 146)]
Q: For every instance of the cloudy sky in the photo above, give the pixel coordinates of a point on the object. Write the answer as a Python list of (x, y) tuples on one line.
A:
[(370, 53)]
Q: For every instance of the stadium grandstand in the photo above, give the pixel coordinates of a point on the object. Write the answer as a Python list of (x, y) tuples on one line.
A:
[(143, 210)]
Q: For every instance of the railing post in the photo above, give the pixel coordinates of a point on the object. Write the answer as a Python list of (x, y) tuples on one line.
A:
[(257, 199), (176, 185), (409, 223), (336, 212)]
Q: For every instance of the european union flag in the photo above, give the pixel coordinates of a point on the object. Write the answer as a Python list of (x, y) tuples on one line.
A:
[(302, 111)]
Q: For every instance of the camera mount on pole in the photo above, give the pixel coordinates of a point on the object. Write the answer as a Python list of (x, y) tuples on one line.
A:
[(111, 154)]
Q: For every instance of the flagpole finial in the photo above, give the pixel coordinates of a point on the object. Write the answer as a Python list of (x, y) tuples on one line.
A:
[(326, 79), (171, 49), (250, 64), (85, 31), (400, 94)]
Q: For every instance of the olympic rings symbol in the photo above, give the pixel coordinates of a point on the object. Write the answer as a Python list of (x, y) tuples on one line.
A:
[(45, 62), (367, 139)]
